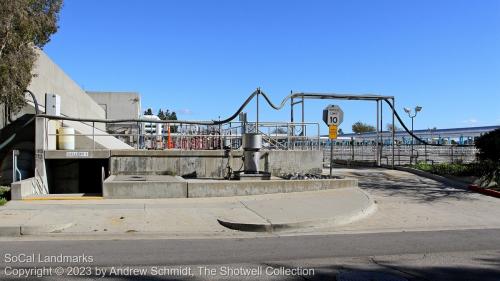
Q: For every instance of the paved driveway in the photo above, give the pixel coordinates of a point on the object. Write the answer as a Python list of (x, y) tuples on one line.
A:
[(408, 202)]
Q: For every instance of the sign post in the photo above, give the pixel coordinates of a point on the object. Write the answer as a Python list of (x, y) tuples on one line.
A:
[(333, 117)]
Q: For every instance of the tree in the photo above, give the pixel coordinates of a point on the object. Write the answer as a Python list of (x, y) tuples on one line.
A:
[(167, 115), (489, 156), (360, 127), (148, 111), (161, 114), (24, 26), (388, 127), (173, 116)]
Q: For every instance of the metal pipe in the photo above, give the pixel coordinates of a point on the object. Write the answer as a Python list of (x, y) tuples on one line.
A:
[(93, 134), (381, 132), (303, 129), (257, 121), (377, 150), (393, 132), (412, 141), (291, 112), (331, 157), (15, 169), (240, 109)]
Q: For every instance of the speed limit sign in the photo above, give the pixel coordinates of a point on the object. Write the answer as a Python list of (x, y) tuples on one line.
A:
[(333, 115)]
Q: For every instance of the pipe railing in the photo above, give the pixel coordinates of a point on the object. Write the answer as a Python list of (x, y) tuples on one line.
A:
[(194, 136)]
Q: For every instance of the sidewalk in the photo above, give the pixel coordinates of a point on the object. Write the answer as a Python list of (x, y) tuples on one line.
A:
[(203, 216)]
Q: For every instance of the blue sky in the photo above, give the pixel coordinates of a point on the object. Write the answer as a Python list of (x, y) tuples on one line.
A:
[(203, 58)]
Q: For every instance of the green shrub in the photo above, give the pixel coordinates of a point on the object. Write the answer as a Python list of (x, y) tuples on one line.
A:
[(489, 157), (489, 146), (4, 194), (453, 169)]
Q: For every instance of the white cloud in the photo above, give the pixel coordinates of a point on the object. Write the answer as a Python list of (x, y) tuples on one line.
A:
[(185, 111), (471, 121)]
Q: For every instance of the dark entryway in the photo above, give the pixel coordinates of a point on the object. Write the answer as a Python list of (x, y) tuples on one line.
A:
[(76, 175)]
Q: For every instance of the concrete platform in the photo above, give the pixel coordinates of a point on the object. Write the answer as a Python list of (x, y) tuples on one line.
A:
[(151, 186), (144, 187)]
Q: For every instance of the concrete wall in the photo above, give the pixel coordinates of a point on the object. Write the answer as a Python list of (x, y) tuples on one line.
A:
[(50, 78), (75, 102), (293, 161), (217, 188), (118, 105), (130, 187), (25, 188), (152, 187), (209, 163)]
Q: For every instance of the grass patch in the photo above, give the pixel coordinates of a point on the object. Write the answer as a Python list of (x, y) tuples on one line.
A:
[(486, 172), (4, 195), (451, 169)]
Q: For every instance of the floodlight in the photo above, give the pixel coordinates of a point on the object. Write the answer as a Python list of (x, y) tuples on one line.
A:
[(418, 108), (407, 110)]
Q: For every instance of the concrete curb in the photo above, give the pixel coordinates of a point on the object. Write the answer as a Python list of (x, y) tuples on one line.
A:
[(437, 178), (343, 219), (485, 191), (10, 231), (19, 230)]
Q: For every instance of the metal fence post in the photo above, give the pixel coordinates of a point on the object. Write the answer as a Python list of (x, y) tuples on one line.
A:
[(451, 148), (93, 135), (377, 153)]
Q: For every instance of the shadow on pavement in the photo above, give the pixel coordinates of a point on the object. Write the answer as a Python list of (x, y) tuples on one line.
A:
[(488, 270), (413, 188)]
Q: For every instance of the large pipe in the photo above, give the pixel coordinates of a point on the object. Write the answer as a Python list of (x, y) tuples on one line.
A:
[(247, 101), (252, 143)]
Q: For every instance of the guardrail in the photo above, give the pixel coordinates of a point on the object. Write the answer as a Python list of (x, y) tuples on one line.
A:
[(165, 135), (403, 153)]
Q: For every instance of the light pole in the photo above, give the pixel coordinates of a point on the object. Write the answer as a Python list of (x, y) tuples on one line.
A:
[(412, 115)]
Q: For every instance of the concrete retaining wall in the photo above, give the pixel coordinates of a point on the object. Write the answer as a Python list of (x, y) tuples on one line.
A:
[(162, 187), (24, 188), (140, 187), (209, 163), (219, 188)]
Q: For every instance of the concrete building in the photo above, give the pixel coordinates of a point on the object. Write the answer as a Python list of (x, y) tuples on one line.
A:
[(120, 105), (32, 137), (72, 149)]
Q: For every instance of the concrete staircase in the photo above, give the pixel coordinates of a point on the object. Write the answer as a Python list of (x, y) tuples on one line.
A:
[(101, 142)]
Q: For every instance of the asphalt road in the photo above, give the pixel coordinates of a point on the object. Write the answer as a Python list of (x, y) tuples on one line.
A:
[(431, 255)]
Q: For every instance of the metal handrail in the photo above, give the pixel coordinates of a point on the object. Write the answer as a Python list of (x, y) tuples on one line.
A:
[(206, 137)]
